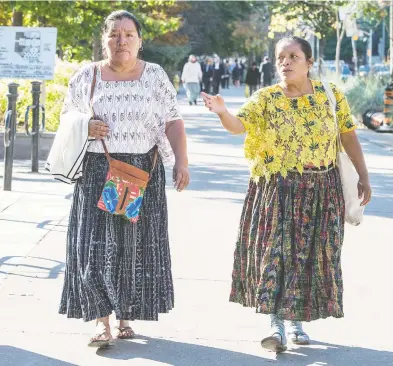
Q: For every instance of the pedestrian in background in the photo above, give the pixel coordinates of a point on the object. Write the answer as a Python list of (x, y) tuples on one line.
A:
[(191, 78), (218, 74), (253, 77), (207, 75), (243, 65), (237, 74), (287, 261), (266, 70), (227, 75), (114, 265)]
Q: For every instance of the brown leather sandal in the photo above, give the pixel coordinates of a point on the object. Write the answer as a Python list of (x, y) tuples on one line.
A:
[(124, 333), (97, 342)]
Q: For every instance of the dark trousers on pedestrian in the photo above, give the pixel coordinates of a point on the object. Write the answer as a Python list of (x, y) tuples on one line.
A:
[(216, 87), (206, 86), (253, 89), (267, 82), (226, 82)]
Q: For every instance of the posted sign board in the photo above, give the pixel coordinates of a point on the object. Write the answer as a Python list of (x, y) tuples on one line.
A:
[(27, 53)]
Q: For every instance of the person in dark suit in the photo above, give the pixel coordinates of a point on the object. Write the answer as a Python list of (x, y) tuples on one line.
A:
[(237, 74), (253, 77), (266, 70), (227, 75), (218, 74), (207, 75)]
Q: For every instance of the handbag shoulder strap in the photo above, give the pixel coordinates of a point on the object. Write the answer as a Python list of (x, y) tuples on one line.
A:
[(93, 85), (333, 104)]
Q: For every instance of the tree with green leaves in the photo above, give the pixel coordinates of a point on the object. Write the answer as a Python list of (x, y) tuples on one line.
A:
[(79, 22), (209, 25), (250, 35), (321, 18)]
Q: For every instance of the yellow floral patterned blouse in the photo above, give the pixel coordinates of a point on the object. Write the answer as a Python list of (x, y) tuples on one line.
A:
[(291, 133)]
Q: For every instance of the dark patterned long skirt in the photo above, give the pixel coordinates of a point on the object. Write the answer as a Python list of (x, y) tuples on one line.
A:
[(113, 265), (287, 259)]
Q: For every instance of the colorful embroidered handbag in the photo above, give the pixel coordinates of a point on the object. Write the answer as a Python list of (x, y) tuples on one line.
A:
[(124, 188), (125, 184)]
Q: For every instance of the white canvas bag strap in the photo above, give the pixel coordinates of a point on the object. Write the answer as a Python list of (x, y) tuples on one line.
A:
[(333, 104)]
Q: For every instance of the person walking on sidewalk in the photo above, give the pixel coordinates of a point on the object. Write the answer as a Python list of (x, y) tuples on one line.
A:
[(287, 261), (252, 78), (207, 75), (114, 265), (227, 75), (191, 78), (266, 70), (237, 74), (218, 74)]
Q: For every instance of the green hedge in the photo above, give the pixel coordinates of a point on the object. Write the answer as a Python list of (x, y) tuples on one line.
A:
[(362, 93), (366, 94)]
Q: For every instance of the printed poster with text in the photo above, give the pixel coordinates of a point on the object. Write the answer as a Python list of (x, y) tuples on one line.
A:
[(27, 53)]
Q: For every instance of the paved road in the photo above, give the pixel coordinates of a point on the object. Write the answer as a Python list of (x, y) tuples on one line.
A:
[(204, 328)]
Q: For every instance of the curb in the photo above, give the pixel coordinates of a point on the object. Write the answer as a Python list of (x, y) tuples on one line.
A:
[(22, 145)]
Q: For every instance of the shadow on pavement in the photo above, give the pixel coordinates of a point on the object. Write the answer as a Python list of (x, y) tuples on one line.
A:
[(332, 354), (33, 179), (12, 356), (11, 263), (177, 353), (46, 224), (187, 354)]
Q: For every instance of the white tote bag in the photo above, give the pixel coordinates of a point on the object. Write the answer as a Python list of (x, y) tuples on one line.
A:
[(349, 176)]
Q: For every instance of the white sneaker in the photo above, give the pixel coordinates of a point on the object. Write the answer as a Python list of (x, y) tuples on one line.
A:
[(296, 334), (276, 341)]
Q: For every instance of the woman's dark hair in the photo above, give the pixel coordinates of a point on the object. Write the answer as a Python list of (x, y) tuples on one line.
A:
[(119, 15), (304, 45)]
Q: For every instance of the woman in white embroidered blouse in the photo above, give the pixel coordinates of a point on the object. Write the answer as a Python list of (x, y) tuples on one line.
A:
[(114, 265)]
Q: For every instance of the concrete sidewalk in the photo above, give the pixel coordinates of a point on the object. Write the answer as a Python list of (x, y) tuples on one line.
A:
[(204, 328)]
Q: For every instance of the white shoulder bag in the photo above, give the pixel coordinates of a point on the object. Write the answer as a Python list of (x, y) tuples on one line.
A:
[(349, 177)]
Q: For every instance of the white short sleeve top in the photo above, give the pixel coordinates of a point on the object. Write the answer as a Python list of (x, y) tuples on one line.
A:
[(136, 111)]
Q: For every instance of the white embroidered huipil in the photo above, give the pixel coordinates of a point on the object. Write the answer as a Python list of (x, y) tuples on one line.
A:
[(136, 112)]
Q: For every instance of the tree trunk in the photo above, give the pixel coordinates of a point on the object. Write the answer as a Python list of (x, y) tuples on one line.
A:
[(96, 48), (60, 52), (391, 40), (355, 55), (41, 21), (322, 43), (251, 58), (340, 30), (17, 18)]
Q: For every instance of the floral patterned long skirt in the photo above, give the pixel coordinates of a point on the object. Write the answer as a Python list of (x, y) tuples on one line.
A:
[(287, 259)]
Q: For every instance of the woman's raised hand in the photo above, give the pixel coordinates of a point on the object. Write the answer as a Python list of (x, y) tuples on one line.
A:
[(215, 103), (98, 129)]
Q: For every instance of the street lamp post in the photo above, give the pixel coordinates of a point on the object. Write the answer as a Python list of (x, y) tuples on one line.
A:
[(391, 38), (388, 97), (370, 49)]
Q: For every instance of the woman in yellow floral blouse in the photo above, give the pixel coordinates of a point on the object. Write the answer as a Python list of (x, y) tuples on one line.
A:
[(287, 261)]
